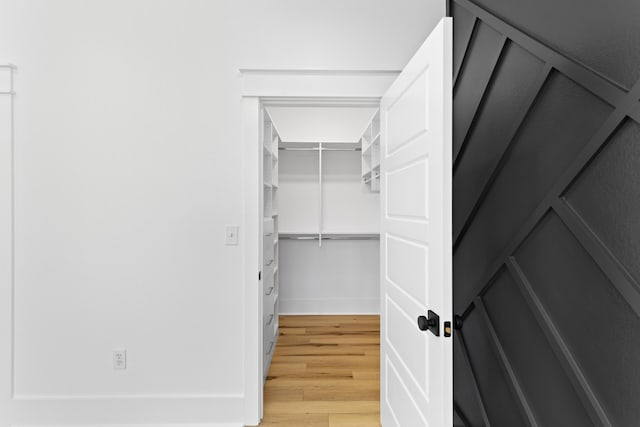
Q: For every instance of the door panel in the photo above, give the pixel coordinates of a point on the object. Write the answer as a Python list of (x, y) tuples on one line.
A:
[(402, 258), (406, 409), (416, 234), (416, 175), (408, 116), (402, 336)]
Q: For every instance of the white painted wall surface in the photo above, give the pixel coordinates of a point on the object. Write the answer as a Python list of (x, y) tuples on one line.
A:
[(299, 192), (341, 277), (348, 204), (127, 164)]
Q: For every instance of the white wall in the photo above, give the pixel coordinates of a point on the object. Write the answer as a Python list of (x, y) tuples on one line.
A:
[(348, 205), (299, 192), (127, 168), (341, 277)]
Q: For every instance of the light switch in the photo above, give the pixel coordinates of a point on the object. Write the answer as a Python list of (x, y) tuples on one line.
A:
[(231, 235)]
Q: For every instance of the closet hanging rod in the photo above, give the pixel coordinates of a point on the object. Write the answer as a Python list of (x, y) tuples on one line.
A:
[(329, 237), (317, 149)]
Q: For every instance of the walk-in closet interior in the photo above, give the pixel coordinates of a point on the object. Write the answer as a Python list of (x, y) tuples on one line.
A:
[(321, 213)]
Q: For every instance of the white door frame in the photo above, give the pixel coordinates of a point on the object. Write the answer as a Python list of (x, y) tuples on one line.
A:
[(262, 87)]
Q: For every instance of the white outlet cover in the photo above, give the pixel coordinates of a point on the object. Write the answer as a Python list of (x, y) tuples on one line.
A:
[(119, 359)]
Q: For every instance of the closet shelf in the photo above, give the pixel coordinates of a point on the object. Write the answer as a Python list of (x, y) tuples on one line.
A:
[(370, 140), (375, 140), (330, 236), (270, 254), (367, 175), (314, 146)]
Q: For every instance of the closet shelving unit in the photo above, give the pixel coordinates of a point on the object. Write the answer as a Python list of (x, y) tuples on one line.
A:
[(370, 143), (329, 229), (270, 280), (323, 234)]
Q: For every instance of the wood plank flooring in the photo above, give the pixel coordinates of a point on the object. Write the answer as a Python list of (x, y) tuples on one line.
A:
[(325, 373)]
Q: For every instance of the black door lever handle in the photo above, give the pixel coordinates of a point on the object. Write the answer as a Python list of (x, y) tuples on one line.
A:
[(431, 323)]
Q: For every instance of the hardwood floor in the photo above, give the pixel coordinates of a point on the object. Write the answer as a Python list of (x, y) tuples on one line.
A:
[(325, 373)]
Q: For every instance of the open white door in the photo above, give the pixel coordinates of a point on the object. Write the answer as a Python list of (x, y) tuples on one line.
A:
[(416, 365)]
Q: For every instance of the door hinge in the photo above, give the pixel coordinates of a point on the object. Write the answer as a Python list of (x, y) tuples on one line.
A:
[(259, 275)]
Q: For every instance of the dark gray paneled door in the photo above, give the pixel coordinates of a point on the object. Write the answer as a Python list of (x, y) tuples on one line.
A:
[(546, 211)]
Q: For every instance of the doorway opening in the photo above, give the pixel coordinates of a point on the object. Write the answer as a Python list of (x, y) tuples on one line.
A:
[(264, 89), (320, 263)]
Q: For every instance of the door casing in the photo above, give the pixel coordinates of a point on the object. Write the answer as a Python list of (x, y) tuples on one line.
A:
[(269, 87)]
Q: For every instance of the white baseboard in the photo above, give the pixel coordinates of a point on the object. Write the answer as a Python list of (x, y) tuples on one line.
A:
[(94, 411), (134, 425), (330, 306)]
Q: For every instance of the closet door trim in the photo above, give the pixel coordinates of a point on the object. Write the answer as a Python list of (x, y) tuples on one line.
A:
[(260, 88)]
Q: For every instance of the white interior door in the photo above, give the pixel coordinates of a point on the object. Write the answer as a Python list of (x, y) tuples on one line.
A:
[(416, 365)]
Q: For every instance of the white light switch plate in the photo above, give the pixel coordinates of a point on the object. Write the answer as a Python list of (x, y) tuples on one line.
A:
[(231, 235)]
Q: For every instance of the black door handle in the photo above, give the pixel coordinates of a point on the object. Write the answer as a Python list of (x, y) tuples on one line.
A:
[(431, 323)]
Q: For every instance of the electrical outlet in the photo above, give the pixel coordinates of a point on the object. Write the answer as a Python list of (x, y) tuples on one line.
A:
[(120, 359), (231, 235)]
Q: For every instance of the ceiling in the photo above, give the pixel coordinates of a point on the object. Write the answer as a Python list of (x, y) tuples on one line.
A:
[(321, 124)]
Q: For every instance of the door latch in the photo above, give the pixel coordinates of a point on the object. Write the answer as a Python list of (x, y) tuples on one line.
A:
[(430, 323), (447, 329)]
